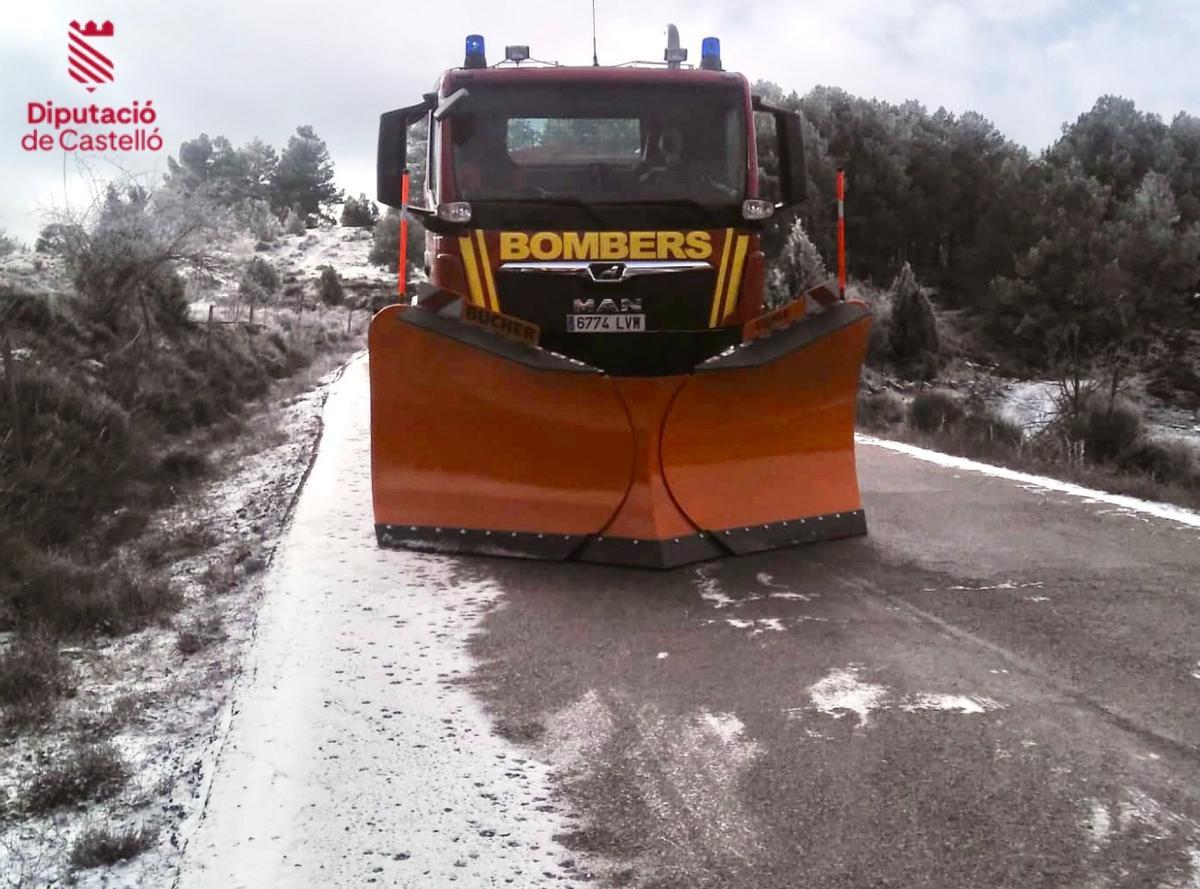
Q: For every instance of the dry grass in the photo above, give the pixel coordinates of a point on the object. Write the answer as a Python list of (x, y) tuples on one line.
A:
[(199, 635), (67, 597), (105, 846), (33, 676), (87, 772)]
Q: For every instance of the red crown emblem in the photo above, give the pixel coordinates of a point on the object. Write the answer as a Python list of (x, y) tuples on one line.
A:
[(85, 63)]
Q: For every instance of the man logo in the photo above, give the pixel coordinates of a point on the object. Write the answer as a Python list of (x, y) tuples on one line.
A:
[(85, 63), (607, 271)]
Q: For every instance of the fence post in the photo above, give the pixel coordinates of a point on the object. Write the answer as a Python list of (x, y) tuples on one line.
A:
[(208, 339), (251, 312), (349, 317), (10, 377)]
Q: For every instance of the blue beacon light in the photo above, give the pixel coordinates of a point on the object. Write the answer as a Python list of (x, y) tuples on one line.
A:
[(476, 56), (710, 54)]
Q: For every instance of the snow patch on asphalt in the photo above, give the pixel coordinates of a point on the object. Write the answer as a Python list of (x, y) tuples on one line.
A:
[(1099, 824), (842, 692), (954, 703), (727, 727), (1142, 507), (578, 732), (710, 589)]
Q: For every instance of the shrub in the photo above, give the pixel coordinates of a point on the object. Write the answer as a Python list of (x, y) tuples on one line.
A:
[(293, 222), (30, 310), (83, 451), (182, 464), (934, 410), (68, 597), (913, 336), (87, 772), (33, 675), (880, 410), (7, 245), (63, 239), (104, 847), (985, 426), (1170, 461), (1106, 427), (257, 217), (385, 242), (359, 212), (199, 635), (262, 273), (329, 287)]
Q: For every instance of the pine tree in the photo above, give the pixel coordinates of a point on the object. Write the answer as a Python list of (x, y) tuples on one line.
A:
[(798, 268), (303, 179), (359, 212), (913, 336)]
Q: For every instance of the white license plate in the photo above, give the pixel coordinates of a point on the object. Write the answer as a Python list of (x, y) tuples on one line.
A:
[(605, 323)]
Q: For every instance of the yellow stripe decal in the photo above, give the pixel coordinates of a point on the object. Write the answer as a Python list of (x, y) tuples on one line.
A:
[(468, 258), (492, 296), (716, 306), (735, 276)]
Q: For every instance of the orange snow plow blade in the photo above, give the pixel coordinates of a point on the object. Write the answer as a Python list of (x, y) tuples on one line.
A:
[(486, 445), (758, 448), (480, 444)]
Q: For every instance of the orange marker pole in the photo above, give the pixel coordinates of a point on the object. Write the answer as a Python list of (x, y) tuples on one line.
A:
[(402, 282), (841, 201)]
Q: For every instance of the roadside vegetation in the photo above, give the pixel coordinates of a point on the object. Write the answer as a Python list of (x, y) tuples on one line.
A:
[(117, 385), (919, 387), (1079, 267)]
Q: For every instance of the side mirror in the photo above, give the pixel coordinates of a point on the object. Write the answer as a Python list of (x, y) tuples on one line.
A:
[(789, 136), (392, 157)]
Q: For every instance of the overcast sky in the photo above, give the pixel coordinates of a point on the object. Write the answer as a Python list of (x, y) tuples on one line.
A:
[(246, 69)]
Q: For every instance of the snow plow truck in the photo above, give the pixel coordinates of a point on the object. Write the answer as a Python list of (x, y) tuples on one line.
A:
[(588, 373)]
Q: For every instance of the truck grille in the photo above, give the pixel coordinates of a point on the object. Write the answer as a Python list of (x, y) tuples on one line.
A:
[(672, 296)]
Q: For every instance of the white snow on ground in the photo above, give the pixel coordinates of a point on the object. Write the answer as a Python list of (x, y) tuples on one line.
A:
[(1134, 818), (841, 691), (727, 727), (576, 734), (1100, 824), (954, 703), (686, 768), (346, 249), (1144, 507), (354, 756), (1031, 404), (710, 589)]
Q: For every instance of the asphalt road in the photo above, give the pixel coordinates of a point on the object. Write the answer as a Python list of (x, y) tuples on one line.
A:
[(997, 687)]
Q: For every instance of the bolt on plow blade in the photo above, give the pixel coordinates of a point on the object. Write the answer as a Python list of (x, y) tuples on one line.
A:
[(484, 445)]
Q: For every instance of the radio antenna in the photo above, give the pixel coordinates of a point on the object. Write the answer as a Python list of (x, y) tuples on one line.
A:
[(595, 58)]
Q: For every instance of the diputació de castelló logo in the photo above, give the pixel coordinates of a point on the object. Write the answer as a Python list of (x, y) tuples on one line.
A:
[(85, 62), (92, 128)]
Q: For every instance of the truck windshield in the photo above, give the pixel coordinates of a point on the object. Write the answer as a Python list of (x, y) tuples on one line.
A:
[(601, 143)]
